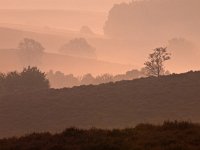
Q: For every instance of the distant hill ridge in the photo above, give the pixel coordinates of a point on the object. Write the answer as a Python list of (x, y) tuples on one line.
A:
[(65, 63), (112, 105)]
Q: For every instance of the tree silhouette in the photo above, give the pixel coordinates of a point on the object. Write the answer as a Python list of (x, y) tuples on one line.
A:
[(154, 66), (12, 81), (33, 78), (30, 52)]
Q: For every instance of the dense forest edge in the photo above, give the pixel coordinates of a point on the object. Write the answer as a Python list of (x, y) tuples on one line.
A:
[(174, 135)]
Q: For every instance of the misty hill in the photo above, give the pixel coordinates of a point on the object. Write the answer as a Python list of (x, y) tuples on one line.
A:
[(10, 37), (79, 47), (9, 61), (149, 23), (112, 105), (52, 42), (54, 18), (169, 136), (112, 50)]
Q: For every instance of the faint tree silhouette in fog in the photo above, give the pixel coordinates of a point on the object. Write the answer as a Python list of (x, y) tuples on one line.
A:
[(85, 30), (87, 79), (133, 74), (181, 44), (60, 80), (79, 47), (183, 48), (30, 52), (105, 78), (155, 65)]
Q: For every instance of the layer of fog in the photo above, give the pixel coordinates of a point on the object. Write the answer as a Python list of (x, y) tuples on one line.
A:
[(132, 30), (143, 25)]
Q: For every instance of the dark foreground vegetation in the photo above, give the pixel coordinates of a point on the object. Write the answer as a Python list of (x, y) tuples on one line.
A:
[(169, 136)]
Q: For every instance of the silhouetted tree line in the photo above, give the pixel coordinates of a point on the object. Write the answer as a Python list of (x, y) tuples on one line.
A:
[(169, 136), (59, 80), (31, 78)]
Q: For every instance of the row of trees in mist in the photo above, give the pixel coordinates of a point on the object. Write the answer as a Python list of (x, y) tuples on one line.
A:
[(31, 51), (59, 79), (154, 66)]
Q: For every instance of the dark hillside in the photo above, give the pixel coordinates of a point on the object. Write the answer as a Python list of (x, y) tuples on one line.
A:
[(113, 105)]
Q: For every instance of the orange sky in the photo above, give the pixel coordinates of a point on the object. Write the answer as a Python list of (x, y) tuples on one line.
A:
[(143, 26), (93, 5)]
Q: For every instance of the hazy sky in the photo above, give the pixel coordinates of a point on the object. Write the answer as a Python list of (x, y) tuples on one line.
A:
[(135, 28), (97, 5)]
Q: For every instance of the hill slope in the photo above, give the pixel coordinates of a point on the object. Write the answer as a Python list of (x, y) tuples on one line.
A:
[(9, 60), (113, 105)]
